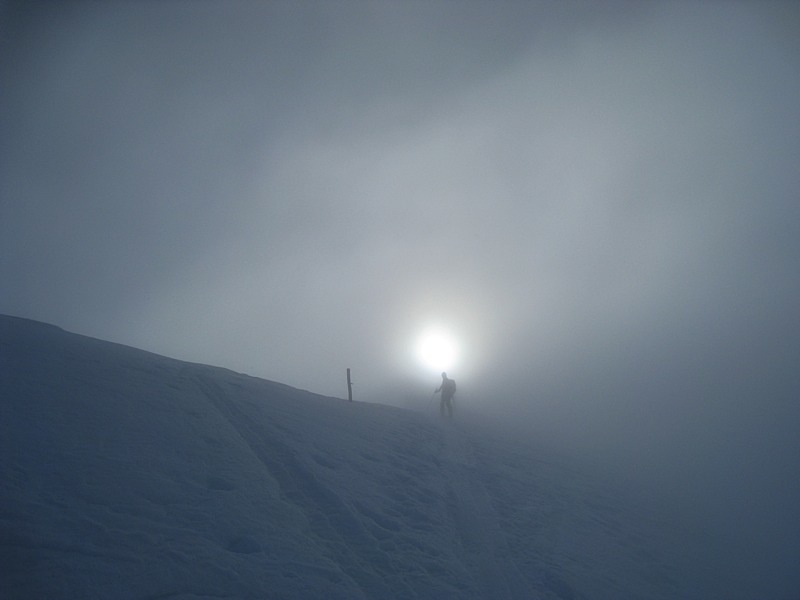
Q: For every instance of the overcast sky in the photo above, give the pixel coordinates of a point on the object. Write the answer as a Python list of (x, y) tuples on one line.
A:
[(598, 200)]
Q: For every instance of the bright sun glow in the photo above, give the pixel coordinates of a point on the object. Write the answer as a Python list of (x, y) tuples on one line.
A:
[(437, 350)]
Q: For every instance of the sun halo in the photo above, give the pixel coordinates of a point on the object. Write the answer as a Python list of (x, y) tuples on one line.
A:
[(437, 350)]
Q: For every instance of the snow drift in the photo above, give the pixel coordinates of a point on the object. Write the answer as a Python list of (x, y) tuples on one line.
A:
[(130, 475)]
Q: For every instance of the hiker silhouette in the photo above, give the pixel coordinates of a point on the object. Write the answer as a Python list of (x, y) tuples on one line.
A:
[(448, 389)]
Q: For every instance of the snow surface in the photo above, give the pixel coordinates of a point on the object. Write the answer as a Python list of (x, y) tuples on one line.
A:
[(130, 475)]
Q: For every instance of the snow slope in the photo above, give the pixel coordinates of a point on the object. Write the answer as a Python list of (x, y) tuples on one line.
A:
[(130, 475)]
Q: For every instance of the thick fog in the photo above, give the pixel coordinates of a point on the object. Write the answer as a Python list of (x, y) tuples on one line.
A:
[(599, 204)]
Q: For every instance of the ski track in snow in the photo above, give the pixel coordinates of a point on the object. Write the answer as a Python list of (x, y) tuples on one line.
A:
[(132, 476), (474, 515)]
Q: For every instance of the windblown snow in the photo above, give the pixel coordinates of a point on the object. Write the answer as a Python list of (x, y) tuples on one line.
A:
[(130, 475)]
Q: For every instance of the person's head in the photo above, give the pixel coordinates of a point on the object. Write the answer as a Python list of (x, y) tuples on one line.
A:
[(444, 375)]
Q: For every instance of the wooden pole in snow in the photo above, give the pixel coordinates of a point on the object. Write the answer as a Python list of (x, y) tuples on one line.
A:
[(349, 387)]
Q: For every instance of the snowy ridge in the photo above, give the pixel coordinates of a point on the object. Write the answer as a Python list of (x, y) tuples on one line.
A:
[(129, 475)]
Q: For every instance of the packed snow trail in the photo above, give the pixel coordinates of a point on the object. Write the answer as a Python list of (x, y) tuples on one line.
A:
[(482, 542)]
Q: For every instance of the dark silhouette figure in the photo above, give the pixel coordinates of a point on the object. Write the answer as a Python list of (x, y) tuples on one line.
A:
[(448, 389)]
